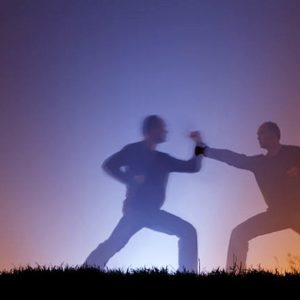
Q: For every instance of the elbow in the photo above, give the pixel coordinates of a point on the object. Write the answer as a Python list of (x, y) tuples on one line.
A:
[(196, 168)]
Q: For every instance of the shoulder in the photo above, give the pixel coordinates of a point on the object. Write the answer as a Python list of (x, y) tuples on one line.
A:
[(132, 146), (291, 149), (163, 155)]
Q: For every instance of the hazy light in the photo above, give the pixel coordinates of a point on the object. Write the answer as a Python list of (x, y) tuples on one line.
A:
[(78, 78)]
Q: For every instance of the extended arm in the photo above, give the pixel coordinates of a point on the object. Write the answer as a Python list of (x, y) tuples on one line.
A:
[(237, 160)]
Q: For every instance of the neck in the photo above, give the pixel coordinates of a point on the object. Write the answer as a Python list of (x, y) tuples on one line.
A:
[(150, 144), (273, 150)]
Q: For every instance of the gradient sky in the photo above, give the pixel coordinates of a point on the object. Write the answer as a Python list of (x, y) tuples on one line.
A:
[(77, 78)]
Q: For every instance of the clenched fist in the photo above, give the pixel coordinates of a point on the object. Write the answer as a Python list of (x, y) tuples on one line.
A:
[(196, 136)]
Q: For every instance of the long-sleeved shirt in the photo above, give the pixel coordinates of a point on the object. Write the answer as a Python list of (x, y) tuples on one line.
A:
[(278, 177), (137, 159)]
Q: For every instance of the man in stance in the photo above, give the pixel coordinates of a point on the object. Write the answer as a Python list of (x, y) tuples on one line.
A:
[(145, 172), (278, 176)]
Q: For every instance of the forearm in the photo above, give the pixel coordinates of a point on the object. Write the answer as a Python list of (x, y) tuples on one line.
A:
[(115, 171), (194, 164)]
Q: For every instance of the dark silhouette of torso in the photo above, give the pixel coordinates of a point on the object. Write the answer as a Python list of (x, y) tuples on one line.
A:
[(155, 166)]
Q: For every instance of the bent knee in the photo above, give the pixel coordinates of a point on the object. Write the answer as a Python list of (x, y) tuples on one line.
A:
[(188, 230), (239, 233)]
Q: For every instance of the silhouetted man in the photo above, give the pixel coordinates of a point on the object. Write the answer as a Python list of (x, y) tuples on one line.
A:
[(145, 172), (278, 177)]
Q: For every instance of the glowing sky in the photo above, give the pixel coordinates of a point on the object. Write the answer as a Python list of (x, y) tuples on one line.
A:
[(77, 78)]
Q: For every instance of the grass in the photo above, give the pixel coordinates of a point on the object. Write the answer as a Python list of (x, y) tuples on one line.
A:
[(149, 283)]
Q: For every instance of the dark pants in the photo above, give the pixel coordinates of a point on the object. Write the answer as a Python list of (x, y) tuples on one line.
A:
[(158, 220), (263, 223)]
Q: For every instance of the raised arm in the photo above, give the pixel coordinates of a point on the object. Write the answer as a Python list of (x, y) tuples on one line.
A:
[(192, 165), (113, 165)]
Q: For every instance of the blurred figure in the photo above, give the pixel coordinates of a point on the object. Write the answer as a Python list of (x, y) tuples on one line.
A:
[(277, 175), (145, 172)]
